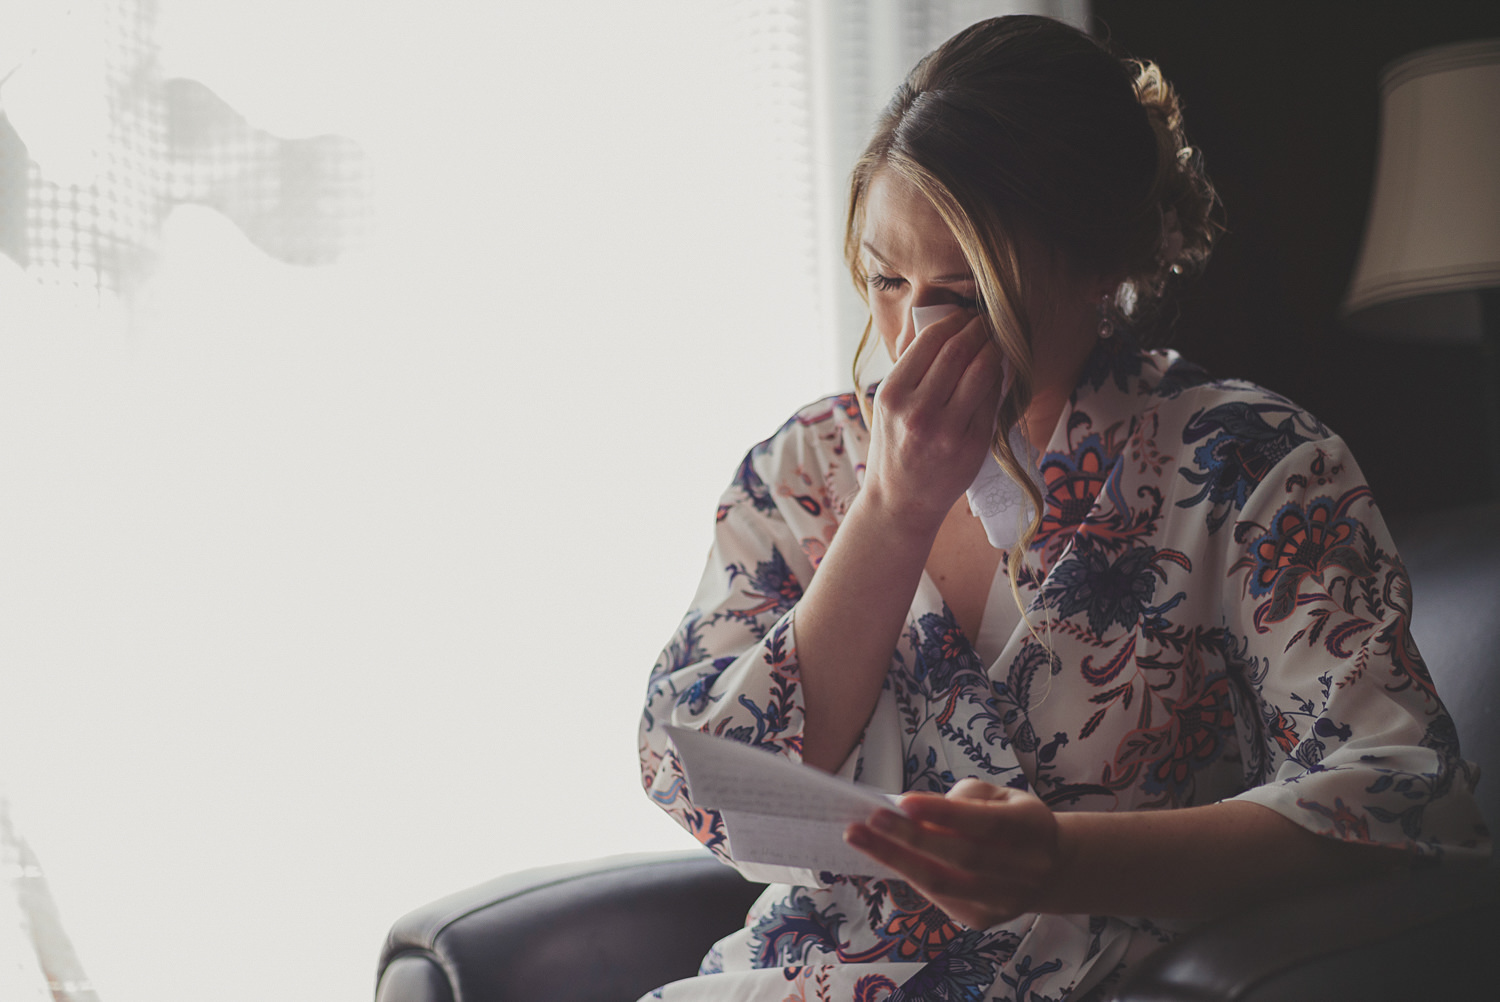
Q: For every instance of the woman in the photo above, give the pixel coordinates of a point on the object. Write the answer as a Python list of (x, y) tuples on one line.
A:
[(1188, 684)]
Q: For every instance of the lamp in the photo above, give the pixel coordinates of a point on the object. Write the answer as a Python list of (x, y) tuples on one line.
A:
[(1429, 267), (1432, 240)]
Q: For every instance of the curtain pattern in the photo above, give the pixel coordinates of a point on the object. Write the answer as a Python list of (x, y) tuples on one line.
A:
[(98, 148)]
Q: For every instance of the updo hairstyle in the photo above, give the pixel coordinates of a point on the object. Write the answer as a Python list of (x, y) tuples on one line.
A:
[(1029, 136)]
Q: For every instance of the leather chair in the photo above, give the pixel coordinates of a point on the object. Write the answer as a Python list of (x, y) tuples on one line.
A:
[(611, 930), (608, 929)]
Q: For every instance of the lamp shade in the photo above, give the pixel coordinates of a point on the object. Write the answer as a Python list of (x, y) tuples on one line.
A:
[(1432, 237)]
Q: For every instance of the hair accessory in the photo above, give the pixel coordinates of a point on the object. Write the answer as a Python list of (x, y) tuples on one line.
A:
[(1106, 317), (1171, 241)]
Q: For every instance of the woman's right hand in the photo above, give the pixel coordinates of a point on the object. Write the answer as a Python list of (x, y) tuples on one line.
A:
[(934, 419), (933, 422)]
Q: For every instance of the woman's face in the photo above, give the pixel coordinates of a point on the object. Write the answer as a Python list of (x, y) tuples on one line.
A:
[(911, 259)]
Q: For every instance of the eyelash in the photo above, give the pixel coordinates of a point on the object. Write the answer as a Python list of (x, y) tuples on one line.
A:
[(885, 283)]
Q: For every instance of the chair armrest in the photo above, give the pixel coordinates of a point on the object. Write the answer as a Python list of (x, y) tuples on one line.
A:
[(609, 929), (1425, 934)]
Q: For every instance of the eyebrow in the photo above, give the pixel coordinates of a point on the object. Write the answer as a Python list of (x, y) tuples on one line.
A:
[(940, 280)]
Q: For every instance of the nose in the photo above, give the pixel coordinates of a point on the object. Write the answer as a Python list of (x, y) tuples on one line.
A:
[(908, 332)]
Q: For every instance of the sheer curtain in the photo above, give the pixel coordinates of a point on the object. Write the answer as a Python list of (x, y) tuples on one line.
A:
[(356, 468), (327, 589)]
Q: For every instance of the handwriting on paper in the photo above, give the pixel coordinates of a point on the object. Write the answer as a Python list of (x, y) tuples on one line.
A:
[(778, 811)]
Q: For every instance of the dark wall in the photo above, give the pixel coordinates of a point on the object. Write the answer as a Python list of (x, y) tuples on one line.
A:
[(1283, 100)]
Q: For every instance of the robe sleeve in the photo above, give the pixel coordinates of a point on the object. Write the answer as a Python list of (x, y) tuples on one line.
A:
[(731, 667), (1342, 730)]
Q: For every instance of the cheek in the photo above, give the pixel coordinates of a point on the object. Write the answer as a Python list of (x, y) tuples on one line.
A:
[(886, 317)]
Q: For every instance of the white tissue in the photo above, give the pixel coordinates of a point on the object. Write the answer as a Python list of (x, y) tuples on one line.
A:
[(998, 501), (923, 317)]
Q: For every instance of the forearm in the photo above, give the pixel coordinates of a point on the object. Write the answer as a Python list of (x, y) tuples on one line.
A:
[(849, 620), (1195, 862)]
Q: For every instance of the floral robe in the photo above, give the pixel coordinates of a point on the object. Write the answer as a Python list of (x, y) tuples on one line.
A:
[(1226, 617)]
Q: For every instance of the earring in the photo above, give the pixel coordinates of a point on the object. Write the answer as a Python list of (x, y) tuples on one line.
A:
[(1106, 318)]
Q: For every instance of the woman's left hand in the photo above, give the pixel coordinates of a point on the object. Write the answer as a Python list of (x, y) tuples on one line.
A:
[(983, 854)]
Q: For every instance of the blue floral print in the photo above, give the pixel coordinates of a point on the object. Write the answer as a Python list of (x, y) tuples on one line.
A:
[(1212, 609)]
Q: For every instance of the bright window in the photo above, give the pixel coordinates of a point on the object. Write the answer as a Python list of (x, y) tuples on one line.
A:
[(330, 590)]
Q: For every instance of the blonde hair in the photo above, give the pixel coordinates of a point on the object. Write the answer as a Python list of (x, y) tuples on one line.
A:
[(1024, 132)]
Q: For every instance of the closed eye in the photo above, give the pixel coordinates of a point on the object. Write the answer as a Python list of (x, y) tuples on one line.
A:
[(885, 283)]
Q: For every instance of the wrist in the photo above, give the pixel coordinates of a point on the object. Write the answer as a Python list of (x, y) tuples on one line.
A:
[(897, 522), (1069, 858)]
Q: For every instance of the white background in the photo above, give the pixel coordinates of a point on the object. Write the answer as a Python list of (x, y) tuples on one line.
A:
[(326, 592)]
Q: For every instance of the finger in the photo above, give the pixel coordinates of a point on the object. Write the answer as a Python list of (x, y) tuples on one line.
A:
[(970, 788), (955, 378), (979, 386), (933, 876), (955, 359), (985, 820), (949, 845), (914, 865), (914, 363)]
